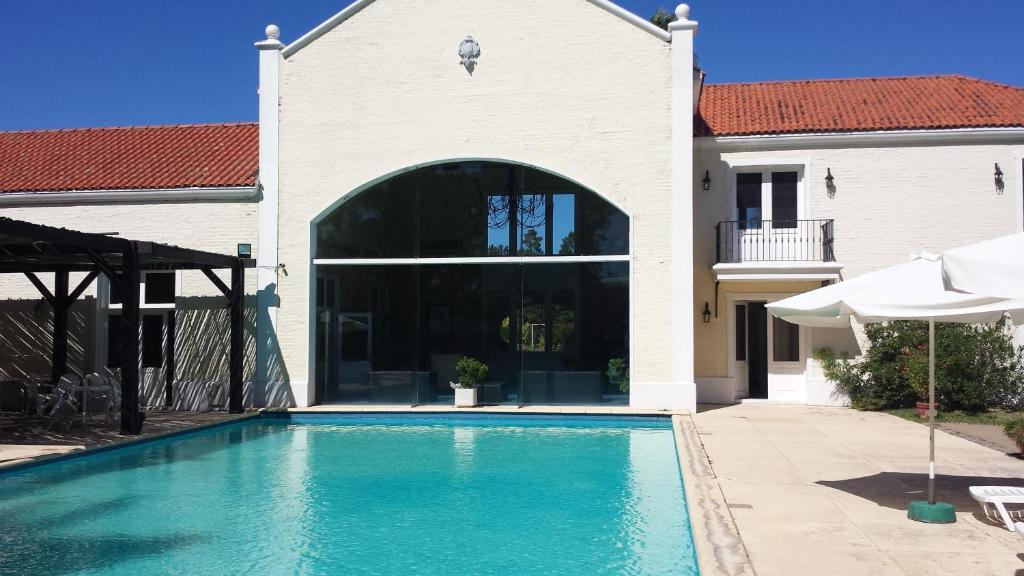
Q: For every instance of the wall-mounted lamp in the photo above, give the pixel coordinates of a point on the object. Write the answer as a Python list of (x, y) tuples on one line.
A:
[(830, 184), (707, 180), (245, 250), (1000, 185), (706, 314)]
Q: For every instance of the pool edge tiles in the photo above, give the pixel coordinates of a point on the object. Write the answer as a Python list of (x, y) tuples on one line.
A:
[(470, 418), (718, 545), (125, 442)]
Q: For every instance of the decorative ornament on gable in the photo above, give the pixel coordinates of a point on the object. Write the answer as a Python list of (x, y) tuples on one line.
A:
[(469, 52)]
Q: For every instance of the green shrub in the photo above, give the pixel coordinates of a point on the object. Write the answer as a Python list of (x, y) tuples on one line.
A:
[(1014, 429), (976, 367), (618, 374), (470, 372)]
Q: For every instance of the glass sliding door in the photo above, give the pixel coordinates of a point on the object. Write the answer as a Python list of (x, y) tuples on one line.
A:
[(515, 267)]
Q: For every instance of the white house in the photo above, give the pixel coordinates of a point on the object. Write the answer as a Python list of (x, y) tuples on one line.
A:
[(554, 204)]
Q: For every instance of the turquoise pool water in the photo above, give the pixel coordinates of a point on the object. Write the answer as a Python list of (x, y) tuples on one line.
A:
[(360, 496)]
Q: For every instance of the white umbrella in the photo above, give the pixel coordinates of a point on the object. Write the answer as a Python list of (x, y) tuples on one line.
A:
[(994, 267), (911, 291)]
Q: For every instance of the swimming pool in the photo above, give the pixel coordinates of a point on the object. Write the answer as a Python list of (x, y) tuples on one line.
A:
[(360, 495)]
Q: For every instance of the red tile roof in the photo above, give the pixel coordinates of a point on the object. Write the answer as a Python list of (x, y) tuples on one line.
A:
[(227, 155), (144, 157), (858, 105)]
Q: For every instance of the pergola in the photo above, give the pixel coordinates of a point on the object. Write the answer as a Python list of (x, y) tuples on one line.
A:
[(29, 249)]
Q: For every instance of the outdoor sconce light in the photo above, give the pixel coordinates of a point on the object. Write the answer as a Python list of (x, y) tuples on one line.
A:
[(1000, 185), (707, 180), (245, 250), (706, 314), (830, 184)]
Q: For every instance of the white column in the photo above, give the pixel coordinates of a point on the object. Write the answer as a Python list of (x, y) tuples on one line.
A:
[(683, 31), (266, 256)]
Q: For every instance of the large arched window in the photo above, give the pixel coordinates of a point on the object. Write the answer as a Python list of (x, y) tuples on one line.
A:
[(519, 268)]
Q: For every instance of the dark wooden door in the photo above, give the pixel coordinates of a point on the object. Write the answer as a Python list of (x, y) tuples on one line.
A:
[(757, 349)]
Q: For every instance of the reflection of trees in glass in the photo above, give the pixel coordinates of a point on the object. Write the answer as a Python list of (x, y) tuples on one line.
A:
[(564, 330), (533, 243), (533, 331), (568, 247), (495, 250)]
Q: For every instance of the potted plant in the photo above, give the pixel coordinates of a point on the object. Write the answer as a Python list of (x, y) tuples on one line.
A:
[(470, 373), (618, 374)]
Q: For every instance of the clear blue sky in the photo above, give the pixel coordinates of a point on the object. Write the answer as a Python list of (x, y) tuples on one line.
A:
[(75, 63)]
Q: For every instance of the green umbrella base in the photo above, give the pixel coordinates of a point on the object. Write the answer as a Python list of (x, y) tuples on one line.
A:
[(938, 513)]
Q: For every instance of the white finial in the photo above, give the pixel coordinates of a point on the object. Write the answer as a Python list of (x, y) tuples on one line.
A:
[(273, 32), (683, 12)]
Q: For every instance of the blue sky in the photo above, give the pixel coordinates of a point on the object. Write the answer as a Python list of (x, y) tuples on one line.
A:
[(76, 63)]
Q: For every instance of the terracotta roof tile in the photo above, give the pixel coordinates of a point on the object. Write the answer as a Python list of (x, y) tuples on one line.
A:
[(227, 155), (143, 157), (858, 105)]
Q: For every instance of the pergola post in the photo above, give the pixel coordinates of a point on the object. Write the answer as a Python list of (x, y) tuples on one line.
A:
[(236, 303), (61, 279), (131, 418)]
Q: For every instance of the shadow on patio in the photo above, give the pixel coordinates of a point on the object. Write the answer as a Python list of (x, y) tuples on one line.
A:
[(897, 489)]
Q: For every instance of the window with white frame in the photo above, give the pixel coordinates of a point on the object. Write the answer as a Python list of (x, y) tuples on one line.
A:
[(157, 290), (772, 194)]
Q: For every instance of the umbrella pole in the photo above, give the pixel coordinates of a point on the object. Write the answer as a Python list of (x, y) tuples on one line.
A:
[(929, 510), (931, 411)]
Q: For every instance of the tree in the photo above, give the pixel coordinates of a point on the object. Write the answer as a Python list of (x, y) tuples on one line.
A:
[(568, 247), (533, 243), (662, 18)]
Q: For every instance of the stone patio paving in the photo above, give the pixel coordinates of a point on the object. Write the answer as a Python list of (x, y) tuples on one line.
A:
[(818, 490), (23, 440)]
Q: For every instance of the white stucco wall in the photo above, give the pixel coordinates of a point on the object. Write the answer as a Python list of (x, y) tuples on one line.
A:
[(891, 201), (562, 85)]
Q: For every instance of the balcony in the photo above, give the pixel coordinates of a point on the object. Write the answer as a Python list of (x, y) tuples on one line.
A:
[(775, 250)]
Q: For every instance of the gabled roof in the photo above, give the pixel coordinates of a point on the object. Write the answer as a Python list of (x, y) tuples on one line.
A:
[(133, 158), (858, 105), (358, 5)]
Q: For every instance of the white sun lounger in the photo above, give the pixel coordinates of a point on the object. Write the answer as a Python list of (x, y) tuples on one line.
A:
[(999, 497)]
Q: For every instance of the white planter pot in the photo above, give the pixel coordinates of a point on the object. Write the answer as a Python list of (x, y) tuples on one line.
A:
[(465, 397)]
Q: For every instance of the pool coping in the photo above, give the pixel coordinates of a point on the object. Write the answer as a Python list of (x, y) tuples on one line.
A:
[(123, 442), (550, 410), (719, 546)]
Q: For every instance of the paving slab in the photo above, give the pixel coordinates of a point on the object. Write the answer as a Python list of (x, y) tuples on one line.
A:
[(817, 490)]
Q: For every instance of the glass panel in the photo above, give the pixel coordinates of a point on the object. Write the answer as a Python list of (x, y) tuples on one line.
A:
[(499, 224), (784, 201), (152, 341), (748, 200), (377, 223), (786, 341), (159, 288), (532, 224), (575, 321), (741, 332), (453, 210), (114, 341), (369, 335), (601, 229), (563, 224), (473, 209), (116, 294)]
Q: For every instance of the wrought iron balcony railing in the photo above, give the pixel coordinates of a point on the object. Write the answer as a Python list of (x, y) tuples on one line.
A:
[(774, 241)]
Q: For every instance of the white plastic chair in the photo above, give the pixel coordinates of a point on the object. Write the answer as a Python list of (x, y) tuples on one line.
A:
[(104, 398), (998, 497), (61, 405)]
